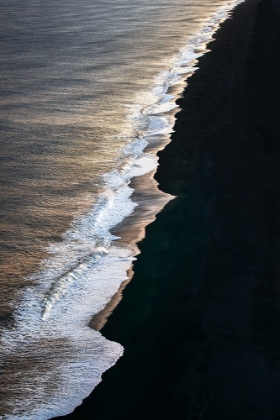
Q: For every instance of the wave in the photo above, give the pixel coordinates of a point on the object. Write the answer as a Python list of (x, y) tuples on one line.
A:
[(56, 358)]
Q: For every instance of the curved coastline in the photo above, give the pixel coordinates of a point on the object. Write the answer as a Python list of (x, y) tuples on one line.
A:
[(147, 195), (206, 345)]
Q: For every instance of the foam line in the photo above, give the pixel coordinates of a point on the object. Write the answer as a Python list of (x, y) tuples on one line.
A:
[(87, 268)]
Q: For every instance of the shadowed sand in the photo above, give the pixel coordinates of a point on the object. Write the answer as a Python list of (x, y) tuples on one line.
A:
[(132, 230)]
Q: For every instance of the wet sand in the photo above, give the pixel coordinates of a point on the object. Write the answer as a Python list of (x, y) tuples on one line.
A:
[(200, 321)]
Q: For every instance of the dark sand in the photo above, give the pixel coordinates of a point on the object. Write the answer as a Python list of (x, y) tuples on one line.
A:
[(200, 321)]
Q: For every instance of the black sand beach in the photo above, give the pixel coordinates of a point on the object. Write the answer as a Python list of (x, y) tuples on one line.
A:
[(200, 321)]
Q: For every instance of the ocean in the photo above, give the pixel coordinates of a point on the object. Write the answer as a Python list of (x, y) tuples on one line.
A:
[(88, 95)]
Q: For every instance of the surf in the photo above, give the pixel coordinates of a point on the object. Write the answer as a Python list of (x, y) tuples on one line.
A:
[(82, 272)]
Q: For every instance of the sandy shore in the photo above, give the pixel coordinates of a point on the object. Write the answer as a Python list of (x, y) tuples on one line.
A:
[(200, 322)]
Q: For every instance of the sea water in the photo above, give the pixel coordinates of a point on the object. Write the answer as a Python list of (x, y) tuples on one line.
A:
[(88, 93)]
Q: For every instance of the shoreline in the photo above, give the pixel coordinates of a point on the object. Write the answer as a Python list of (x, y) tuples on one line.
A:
[(86, 267), (199, 322), (149, 199)]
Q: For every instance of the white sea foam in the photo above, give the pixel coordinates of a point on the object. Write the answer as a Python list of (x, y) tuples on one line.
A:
[(87, 268)]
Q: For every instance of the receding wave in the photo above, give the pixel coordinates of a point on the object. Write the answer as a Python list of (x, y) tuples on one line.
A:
[(54, 358)]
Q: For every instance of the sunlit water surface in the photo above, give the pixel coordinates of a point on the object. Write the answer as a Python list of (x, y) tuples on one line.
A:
[(85, 87)]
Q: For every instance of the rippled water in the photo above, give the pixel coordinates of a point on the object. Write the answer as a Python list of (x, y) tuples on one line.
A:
[(85, 87)]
